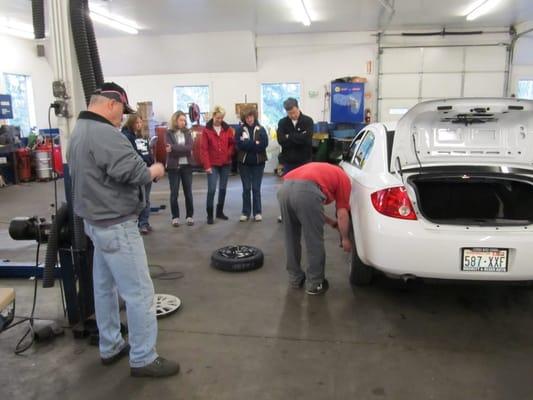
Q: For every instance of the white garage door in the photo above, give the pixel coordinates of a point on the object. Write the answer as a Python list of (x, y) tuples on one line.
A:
[(411, 75)]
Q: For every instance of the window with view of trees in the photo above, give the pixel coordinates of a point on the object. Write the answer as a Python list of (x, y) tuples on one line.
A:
[(272, 97), (20, 89), (185, 95)]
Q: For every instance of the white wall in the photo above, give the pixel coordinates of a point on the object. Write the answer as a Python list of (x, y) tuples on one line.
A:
[(208, 52), (19, 56), (311, 60)]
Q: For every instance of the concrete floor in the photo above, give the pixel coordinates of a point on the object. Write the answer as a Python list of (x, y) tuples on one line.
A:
[(248, 336)]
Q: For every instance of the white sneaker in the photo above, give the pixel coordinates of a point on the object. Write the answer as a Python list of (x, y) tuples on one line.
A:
[(258, 218), (176, 222), (243, 218), (190, 221), (280, 220)]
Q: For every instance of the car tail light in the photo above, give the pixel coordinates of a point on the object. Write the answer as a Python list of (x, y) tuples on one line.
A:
[(394, 202)]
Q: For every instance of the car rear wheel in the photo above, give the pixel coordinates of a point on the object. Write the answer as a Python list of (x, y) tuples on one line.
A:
[(360, 273)]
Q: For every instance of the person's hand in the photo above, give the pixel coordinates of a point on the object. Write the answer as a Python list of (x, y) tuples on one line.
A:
[(331, 222), (346, 245), (168, 148), (157, 171), (209, 171)]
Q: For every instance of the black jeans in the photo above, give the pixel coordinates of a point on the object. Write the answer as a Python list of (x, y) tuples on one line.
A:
[(182, 173)]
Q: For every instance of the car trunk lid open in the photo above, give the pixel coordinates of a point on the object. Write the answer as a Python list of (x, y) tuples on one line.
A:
[(471, 131)]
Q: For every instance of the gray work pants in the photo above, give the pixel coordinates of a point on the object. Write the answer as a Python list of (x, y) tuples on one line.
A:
[(302, 210)]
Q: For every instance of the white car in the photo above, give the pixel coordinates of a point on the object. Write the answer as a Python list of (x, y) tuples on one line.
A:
[(445, 193)]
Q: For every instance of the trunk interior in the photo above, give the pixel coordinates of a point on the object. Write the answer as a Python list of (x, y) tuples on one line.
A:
[(483, 200)]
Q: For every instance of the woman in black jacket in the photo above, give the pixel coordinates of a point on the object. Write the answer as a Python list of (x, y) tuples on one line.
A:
[(133, 130), (252, 141), (179, 166)]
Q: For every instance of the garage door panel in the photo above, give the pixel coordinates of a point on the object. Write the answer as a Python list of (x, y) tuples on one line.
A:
[(485, 58), (443, 59), (402, 86), (410, 75), (489, 84), (391, 108), (441, 85), (401, 60)]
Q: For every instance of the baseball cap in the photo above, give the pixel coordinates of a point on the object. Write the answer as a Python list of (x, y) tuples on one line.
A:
[(113, 91)]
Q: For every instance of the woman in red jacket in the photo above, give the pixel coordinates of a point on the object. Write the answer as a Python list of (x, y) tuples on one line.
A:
[(217, 148)]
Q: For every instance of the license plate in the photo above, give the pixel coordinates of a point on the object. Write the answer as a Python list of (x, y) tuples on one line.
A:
[(484, 260)]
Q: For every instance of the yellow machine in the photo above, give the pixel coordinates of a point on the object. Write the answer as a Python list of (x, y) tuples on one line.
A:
[(7, 307)]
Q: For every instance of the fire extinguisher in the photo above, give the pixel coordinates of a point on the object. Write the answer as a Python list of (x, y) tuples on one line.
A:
[(368, 116)]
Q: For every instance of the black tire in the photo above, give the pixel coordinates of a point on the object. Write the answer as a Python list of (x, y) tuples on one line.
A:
[(360, 273), (237, 258)]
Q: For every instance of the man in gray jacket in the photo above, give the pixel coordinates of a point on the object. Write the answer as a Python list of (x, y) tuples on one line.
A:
[(108, 179)]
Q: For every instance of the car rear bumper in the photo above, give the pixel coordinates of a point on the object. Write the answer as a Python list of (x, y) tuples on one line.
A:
[(420, 249)]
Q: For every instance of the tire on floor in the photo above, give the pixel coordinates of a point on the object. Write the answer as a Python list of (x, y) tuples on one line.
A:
[(237, 258)]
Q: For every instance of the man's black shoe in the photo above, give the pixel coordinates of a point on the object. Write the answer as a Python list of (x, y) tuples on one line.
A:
[(318, 289), (113, 359), (160, 368)]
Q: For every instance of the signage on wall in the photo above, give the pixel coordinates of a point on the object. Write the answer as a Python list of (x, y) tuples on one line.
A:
[(347, 102), (6, 106)]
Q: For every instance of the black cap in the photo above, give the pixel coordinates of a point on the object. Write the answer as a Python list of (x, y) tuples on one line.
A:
[(113, 91)]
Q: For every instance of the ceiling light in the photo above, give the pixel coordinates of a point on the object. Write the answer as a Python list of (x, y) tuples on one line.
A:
[(303, 15), (114, 21), (13, 27), (479, 8)]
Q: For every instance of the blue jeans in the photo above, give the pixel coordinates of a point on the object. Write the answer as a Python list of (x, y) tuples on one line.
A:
[(183, 174), (212, 179), (145, 213), (120, 267), (251, 177)]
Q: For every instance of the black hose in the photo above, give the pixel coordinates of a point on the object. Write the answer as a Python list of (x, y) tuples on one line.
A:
[(81, 44), (54, 240), (80, 22), (37, 8), (93, 47)]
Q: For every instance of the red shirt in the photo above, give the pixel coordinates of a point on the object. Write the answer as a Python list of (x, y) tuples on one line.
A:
[(331, 180)]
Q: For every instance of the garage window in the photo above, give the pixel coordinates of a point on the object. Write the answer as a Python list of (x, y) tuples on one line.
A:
[(364, 149), (20, 89), (272, 97), (185, 95), (525, 89)]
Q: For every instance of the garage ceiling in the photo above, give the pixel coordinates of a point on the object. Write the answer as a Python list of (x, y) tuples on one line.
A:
[(278, 16)]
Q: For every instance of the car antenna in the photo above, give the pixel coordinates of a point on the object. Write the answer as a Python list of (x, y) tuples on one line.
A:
[(416, 154)]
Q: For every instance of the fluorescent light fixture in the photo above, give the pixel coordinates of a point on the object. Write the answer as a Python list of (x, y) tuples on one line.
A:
[(16, 28), (114, 21), (479, 8), (301, 9)]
